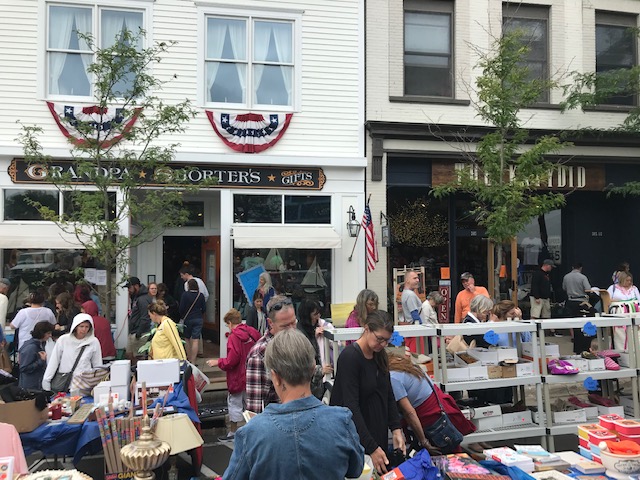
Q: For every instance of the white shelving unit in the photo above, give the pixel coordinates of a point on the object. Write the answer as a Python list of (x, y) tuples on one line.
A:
[(336, 335), (604, 325), (498, 433)]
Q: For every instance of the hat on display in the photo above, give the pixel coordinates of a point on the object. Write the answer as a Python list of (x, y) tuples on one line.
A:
[(549, 262), (132, 281)]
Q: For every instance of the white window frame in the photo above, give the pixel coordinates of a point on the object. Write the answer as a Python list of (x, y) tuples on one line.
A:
[(206, 10), (144, 6)]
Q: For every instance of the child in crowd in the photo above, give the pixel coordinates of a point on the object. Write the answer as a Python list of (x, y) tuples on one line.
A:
[(241, 339)]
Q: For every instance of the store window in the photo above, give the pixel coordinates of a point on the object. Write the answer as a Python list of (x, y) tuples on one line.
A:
[(54, 271), (71, 200), (278, 209), (428, 48), (298, 273), (21, 204), (532, 23), (541, 239), (616, 48), (69, 54), (250, 62)]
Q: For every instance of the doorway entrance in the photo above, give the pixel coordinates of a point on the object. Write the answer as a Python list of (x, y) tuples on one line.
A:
[(203, 253)]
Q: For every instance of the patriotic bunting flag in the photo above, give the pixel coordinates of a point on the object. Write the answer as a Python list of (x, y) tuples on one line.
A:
[(370, 239), (249, 132), (108, 124)]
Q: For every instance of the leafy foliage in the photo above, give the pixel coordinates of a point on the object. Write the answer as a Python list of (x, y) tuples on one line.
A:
[(117, 173), (414, 225), (504, 174)]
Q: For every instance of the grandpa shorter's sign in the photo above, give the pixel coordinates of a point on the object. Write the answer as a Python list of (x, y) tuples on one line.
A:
[(228, 176)]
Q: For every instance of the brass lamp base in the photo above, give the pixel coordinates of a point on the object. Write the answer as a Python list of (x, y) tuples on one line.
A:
[(145, 454)]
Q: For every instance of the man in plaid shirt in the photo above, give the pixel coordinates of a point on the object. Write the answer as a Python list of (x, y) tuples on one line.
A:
[(260, 391)]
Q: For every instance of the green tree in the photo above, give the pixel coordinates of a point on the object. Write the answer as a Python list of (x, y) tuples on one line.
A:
[(114, 182), (507, 168)]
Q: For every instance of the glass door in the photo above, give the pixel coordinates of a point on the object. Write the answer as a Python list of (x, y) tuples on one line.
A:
[(211, 277)]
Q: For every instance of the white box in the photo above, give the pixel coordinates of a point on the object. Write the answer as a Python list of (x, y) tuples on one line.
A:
[(570, 416), (516, 418), (489, 422), (478, 372), (597, 364), (581, 364), (159, 372), (488, 411), (618, 410), (486, 356), (551, 350), (507, 353), (624, 360), (101, 392), (467, 413), (459, 362), (524, 369), (592, 412), (627, 403), (457, 374), (120, 372)]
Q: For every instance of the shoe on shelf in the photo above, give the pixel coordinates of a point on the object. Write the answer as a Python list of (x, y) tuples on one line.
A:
[(227, 438), (610, 364), (561, 367), (609, 353), (556, 333), (589, 355)]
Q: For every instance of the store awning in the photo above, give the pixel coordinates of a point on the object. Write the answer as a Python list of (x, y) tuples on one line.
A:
[(36, 236), (285, 236)]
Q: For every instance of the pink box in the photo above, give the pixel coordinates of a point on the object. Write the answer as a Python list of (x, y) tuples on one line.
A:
[(606, 421), (601, 436), (628, 427), (583, 430), (596, 458), (584, 443), (631, 438)]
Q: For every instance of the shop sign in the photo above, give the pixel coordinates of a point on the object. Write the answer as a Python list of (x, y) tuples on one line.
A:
[(227, 176), (561, 177)]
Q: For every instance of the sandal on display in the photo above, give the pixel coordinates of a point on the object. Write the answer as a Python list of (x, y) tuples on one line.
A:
[(561, 367), (589, 355), (609, 353), (577, 402), (600, 400)]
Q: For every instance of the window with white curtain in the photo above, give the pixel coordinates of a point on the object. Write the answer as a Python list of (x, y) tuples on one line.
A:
[(68, 54), (249, 61)]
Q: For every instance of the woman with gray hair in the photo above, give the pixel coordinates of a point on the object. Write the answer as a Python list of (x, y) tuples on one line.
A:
[(428, 312), (480, 310), (300, 437)]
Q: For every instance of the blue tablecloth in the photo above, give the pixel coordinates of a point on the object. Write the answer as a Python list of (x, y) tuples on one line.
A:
[(60, 438)]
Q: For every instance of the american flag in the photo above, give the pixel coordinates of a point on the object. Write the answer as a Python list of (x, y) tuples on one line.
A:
[(370, 239)]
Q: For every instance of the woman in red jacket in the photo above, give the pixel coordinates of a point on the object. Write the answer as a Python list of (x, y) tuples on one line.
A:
[(241, 339)]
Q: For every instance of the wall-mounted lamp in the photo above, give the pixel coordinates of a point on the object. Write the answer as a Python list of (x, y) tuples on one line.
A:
[(353, 226)]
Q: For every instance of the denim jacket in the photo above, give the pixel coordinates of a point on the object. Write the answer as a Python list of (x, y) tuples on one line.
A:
[(301, 439)]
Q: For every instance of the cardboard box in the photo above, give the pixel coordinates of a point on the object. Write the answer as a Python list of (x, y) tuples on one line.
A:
[(494, 371), (551, 350), (516, 418), (626, 401), (596, 365), (23, 415), (523, 368), (488, 422), (581, 364), (486, 356), (159, 372), (457, 374), (460, 362), (488, 411), (618, 410), (394, 474), (478, 372), (102, 390), (570, 416), (507, 353), (120, 372), (624, 360)]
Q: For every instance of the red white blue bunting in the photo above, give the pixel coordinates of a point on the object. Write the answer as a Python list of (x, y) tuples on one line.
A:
[(249, 132), (108, 125)]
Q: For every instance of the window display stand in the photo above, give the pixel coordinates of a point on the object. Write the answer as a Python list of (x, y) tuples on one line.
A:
[(497, 433), (604, 334)]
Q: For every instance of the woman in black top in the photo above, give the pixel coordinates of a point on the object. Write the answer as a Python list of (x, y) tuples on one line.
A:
[(363, 385), (66, 310), (192, 308)]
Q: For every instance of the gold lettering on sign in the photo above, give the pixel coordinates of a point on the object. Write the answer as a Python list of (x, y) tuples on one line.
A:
[(561, 176)]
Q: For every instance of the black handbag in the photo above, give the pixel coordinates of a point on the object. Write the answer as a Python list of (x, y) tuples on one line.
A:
[(61, 381), (442, 434)]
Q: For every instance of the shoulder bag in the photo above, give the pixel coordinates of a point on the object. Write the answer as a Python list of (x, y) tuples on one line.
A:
[(442, 434), (189, 311), (61, 381)]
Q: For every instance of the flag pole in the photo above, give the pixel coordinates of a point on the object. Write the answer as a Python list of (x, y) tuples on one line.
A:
[(358, 235)]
